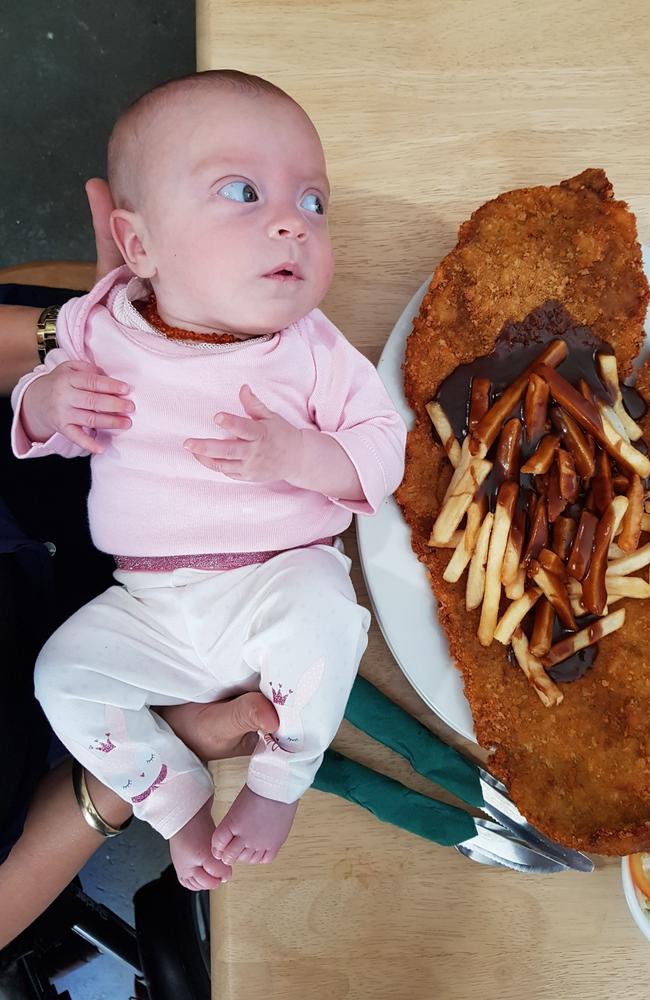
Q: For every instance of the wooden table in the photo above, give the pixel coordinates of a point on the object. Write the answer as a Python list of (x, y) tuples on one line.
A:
[(427, 109)]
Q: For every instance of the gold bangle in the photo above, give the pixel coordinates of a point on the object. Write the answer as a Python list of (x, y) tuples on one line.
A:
[(87, 806), (46, 331)]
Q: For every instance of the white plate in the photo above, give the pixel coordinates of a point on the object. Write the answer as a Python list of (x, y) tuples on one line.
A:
[(397, 582), (633, 898)]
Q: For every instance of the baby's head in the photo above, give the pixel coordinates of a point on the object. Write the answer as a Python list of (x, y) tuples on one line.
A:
[(220, 182)]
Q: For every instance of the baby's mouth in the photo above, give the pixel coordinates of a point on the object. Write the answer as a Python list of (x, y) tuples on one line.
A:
[(285, 272)]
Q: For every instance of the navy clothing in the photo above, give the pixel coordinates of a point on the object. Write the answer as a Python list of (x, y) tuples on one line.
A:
[(40, 586)]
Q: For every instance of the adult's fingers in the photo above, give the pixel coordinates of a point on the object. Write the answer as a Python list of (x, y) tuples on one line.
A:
[(101, 205)]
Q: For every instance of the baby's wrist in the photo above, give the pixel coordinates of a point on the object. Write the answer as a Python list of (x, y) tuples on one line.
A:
[(33, 419), (300, 458)]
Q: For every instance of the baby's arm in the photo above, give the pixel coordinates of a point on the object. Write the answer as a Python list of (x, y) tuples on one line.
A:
[(265, 447), (59, 406), (352, 409), (71, 397)]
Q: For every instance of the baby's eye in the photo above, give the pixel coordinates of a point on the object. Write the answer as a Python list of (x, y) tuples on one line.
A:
[(238, 191), (128, 784), (313, 204)]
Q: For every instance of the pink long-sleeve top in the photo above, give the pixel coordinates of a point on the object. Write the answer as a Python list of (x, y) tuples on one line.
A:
[(149, 496)]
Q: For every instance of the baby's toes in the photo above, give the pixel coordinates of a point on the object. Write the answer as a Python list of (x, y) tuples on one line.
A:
[(217, 869), (204, 880), (221, 838), (248, 856), (233, 851)]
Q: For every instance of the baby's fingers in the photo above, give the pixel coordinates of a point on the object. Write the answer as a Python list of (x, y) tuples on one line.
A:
[(217, 448), (86, 399), (99, 420), (85, 441), (229, 469), (84, 374)]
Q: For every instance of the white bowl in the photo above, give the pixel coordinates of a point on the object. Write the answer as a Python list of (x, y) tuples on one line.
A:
[(633, 898)]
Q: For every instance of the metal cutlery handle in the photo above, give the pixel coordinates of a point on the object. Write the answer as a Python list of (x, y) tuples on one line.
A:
[(500, 807)]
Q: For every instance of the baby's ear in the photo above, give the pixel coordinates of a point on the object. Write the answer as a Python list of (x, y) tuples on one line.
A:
[(130, 235)]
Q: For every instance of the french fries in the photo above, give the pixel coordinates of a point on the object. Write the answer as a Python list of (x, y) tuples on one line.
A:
[(575, 440), (542, 634), (501, 527), (480, 401), (630, 563), (609, 375), (467, 543), (445, 432), (563, 541), (591, 420), (476, 575), (534, 671), (630, 533), (594, 591), (515, 613), (535, 408), (457, 502), (554, 589), (585, 637)]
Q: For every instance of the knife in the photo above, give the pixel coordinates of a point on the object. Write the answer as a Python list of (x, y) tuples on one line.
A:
[(498, 805), (494, 846)]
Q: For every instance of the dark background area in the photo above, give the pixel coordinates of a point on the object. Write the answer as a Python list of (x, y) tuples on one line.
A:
[(68, 68)]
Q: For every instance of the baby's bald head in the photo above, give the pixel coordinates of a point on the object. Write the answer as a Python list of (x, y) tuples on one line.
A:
[(131, 147)]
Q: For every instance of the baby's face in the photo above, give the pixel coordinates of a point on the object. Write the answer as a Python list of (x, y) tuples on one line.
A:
[(237, 191)]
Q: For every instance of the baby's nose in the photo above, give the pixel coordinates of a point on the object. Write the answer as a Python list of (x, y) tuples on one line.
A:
[(288, 227)]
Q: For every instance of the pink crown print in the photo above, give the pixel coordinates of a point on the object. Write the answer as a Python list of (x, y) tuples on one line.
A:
[(278, 697), (104, 747)]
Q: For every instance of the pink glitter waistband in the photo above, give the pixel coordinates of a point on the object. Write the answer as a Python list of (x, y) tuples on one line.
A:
[(206, 561)]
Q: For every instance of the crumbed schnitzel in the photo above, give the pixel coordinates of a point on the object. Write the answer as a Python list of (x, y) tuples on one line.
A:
[(578, 769)]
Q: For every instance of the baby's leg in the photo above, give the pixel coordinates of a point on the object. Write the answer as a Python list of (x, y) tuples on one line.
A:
[(307, 639), (90, 678), (254, 829)]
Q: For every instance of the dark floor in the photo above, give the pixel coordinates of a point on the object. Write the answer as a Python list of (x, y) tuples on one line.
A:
[(68, 68)]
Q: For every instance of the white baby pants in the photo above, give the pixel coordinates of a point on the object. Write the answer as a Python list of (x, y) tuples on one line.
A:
[(290, 627)]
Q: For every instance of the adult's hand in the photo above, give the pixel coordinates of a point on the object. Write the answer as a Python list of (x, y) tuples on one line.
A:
[(221, 729), (101, 205), (18, 353)]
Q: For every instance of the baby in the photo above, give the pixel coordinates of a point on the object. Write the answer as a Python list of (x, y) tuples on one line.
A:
[(233, 433)]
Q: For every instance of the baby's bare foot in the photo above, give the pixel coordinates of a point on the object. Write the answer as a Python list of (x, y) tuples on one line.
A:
[(253, 830), (195, 864)]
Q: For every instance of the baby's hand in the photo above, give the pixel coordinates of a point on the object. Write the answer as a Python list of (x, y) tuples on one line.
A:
[(74, 395), (262, 447)]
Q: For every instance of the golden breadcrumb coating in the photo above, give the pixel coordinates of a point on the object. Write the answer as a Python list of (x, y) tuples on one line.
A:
[(579, 771)]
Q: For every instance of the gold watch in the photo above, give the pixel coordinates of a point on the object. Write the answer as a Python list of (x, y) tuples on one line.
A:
[(46, 331)]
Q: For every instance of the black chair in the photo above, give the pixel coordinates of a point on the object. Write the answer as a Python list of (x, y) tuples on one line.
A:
[(168, 949)]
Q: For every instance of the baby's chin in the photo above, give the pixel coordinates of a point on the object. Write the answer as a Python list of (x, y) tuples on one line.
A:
[(274, 320)]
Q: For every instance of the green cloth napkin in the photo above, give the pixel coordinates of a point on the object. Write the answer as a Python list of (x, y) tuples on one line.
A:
[(392, 802), (375, 714)]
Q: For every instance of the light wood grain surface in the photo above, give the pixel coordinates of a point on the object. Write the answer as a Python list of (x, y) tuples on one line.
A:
[(427, 109)]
